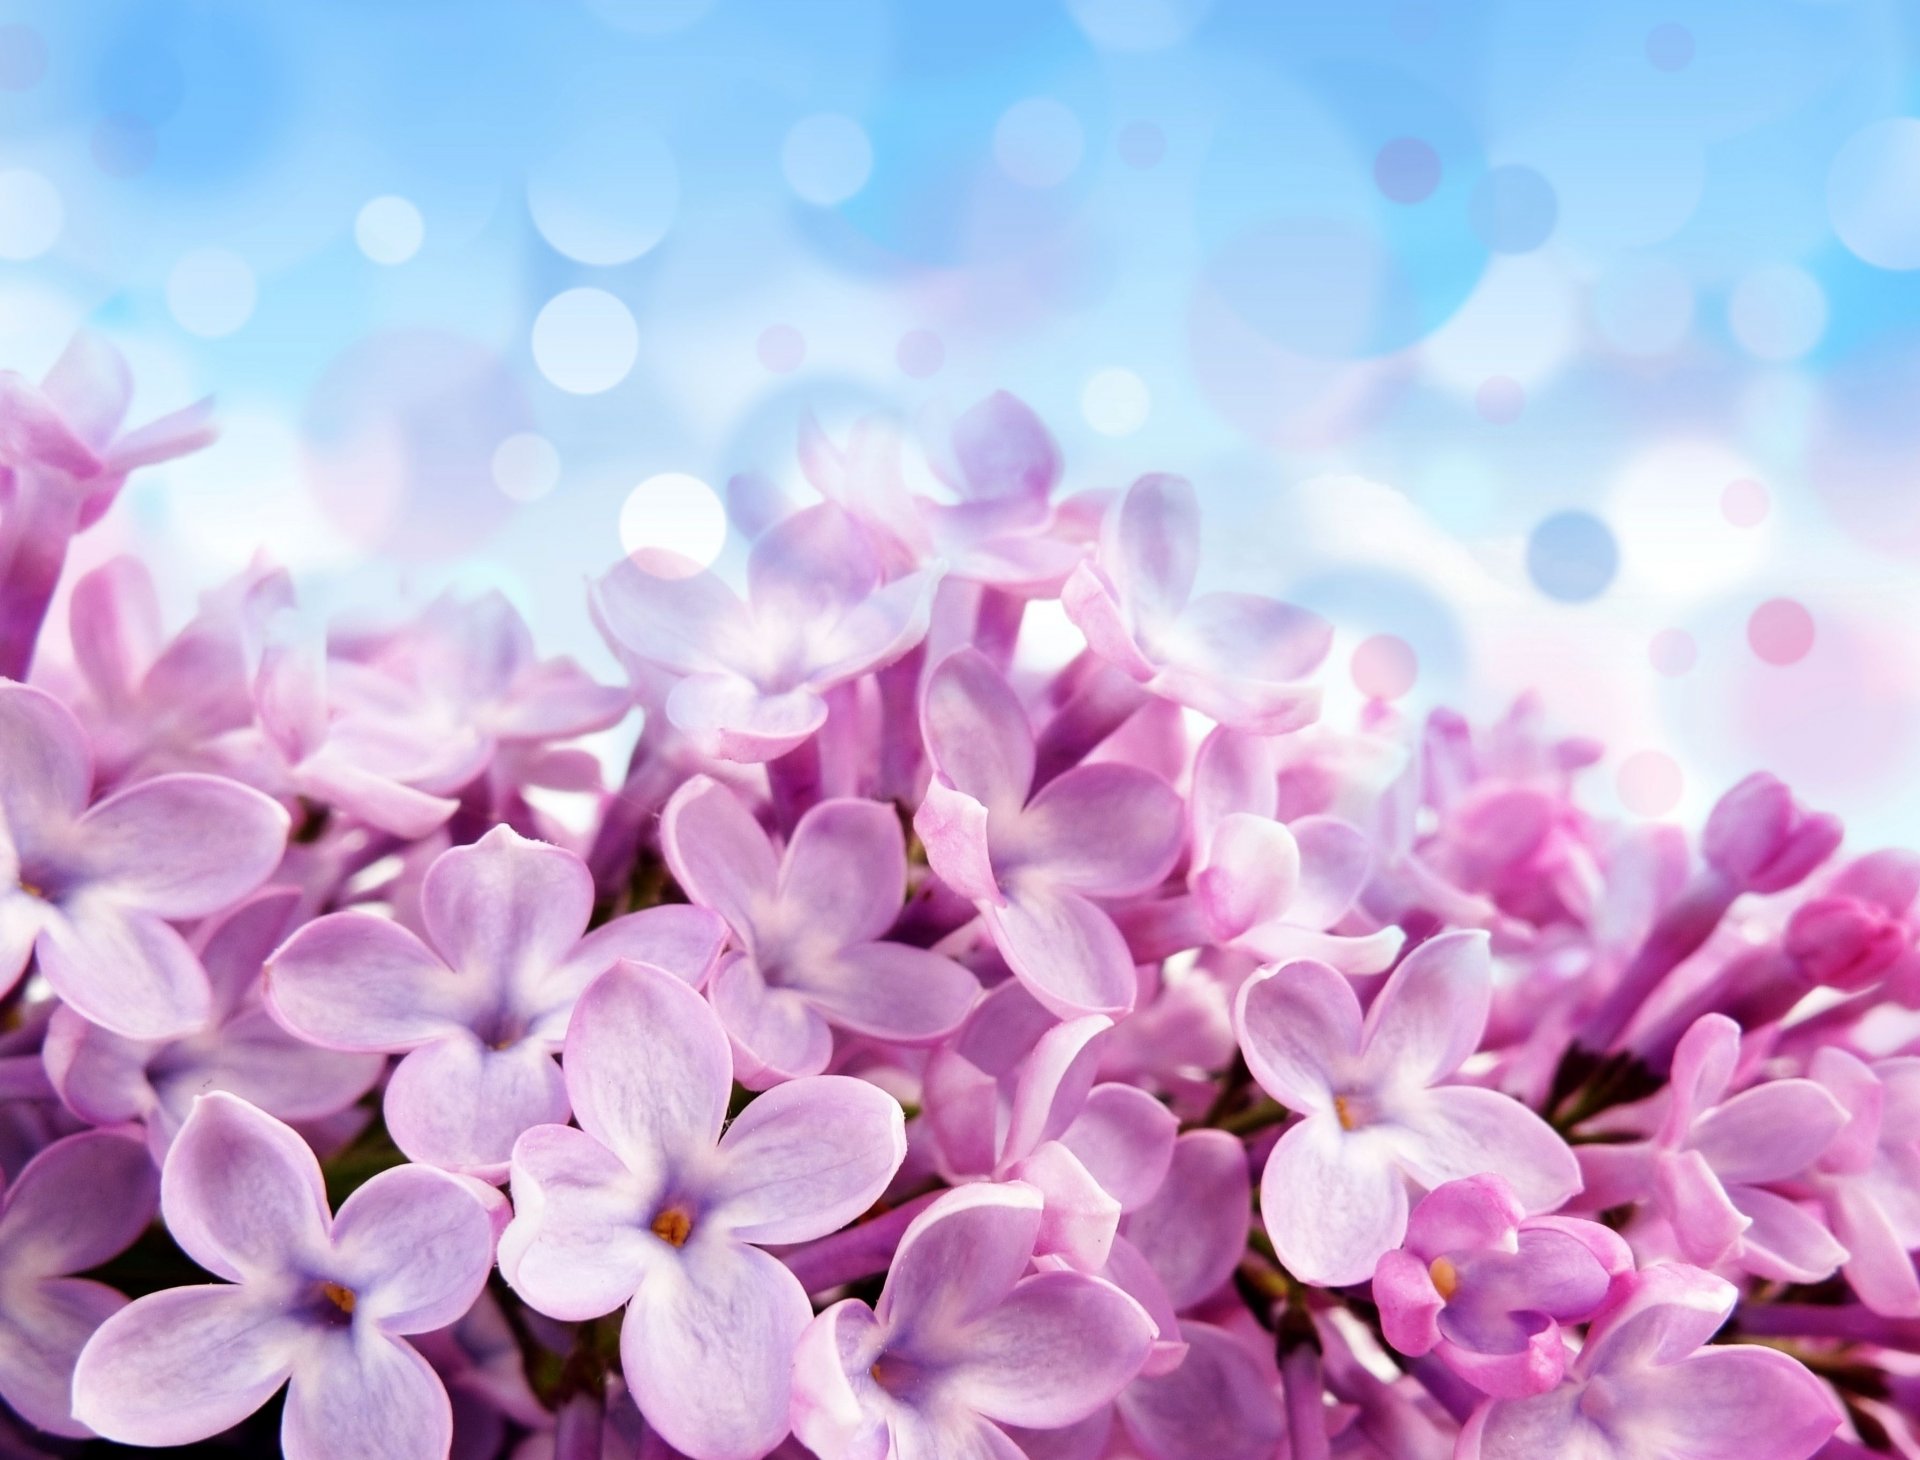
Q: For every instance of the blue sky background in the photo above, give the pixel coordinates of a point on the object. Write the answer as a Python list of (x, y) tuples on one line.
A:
[(1553, 340)]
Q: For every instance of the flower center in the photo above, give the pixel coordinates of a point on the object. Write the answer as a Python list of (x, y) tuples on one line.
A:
[(1344, 1109), (899, 1375), (1446, 1277), (673, 1226), (31, 891), (341, 1297)]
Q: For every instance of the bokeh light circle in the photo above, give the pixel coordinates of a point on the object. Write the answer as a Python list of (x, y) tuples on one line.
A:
[(1744, 502), (1138, 25), (1672, 652), (1116, 401), (212, 292), (826, 159), (1572, 556), (526, 466), (1778, 312), (1781, 631), (1644, 307), (585, 341), (1406, 170), (607, 196), (673, 524), (1039, 142), (1873, 193), (1649, 783), (389, 229), (31, 214), (1384, 667), (1513, 209)]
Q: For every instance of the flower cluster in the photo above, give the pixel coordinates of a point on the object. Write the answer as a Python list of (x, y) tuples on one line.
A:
[(919, 1051)]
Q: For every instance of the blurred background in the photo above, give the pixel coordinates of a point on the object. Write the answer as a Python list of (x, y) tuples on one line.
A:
[(1569, 347)]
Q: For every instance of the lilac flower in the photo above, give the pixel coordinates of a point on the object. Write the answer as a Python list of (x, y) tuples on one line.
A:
[(649, 1202), (321, 1301), (1869, 1177), (63, 459), (1377, 1115), (753, 673), (480, 1007), (963, 1342), (79, 1202), (1033, 862), (1710, 1167), (1643, 1386), (1487, 1288), (1234, 657), (810, 924), (89, 893), (1012, 1097), (106, 1078)]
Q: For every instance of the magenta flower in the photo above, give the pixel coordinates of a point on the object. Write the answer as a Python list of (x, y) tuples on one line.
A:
[(90, 893), (1033, 863), (649, 1204), (1234, 657), (480, 1007), (319, 1302), (1710, 1166), (106, 1078), (754, 672), (1012, 1098), (963, 1342), (1487, 1288), (810, 924), (1377, 1113), (1643, 1385), (79, 1202), (1869, 1177)]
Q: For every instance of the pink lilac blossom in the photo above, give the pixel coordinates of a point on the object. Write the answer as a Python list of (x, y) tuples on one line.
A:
[(914, 1052)]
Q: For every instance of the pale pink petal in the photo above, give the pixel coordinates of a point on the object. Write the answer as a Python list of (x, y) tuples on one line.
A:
[(958, 1261), (1332, 1202), (1245, 637), (952, 826), (718, 853), (415, 1246), (253, 1057), (1256, 706), (1080, 1218), (977, 733), (242, 1193), (354, 980), (805, 1158), (832, 1409), (1769, 1132), (1786, 1242), (731, 718), (1064, 949), (1251, 874), (383, 803), (361, 1396), (80, 1201), (1092, 604), (1727, 1404), (776, 1033), (183, 1364), (115, 619), (43, 1327), (1462, 1130), (687, 625), (1125, 1138), (578, 1244), (684, 940), (1053, 1083), (1219, 1404), (506, 911), (1194, 1231), (1474, 1213), (845, 871), (1004, 450), (460, 1105), (125, 970), (890, 991), (1107, 829), (813, 565), (874, 633), (1335, 862), (708, 1348), (647, 1067), (182, 846), (1299, 1028), (1152, 547), (1058, 1348), (1878, 1266), (1431, 1013), (45, 770), (1703, 1063)]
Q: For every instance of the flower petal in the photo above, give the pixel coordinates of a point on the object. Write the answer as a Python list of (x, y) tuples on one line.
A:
[(647, 1067), (354, 980), (362, 1396), (1244, 637), (731, 718), (1727, 1404), (1052, 1083), (1432, 1012), (1332, 1202), (1251, 875), (776, 1033), (577, 1246), (1108, 829), (80, 1201), (1335, 861), (1064, 949), (182, 846), (459, 1105), (686, 625), (43, 1327), (845, 872), (1004, 450), (958, 1261), (45, 770), (415, 1245), (977, 733), (684, 940), (891, 991), (1769, 1132), (805, 1158), (1472, 1214), (1218, 1405), (1462, 1130), (1194, 1230), (1151, 548), (505, 911), (183, 1364), (1059, 1347), (708, 1346), (242, 1193), (1785, 1242), (952, 826), (718, 853), (1299, 1028), (125, 970), (1124, 1137)]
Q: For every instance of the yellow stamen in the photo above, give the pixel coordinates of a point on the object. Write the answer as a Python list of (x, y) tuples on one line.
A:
[(673, 1226), (1345, 1112), (341, 1298), (31, 891), (1446, 1277)]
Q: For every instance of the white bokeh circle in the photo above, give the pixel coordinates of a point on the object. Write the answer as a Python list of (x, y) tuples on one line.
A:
[(1116, 401), (389, 229), (826, 158), (607, 197), (31, 214), (1778, 312), (585, 341), (674, 523), (1873, 193), (526, 466)]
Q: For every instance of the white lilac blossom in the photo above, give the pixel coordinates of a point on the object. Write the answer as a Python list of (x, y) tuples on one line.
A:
[(915, 1054)]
